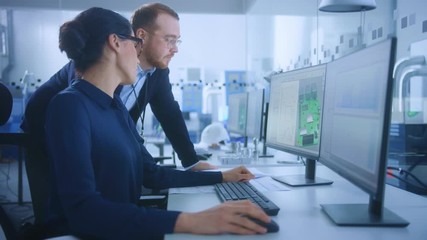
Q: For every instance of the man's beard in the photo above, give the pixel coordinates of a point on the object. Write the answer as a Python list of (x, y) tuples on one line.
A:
[(153, 61)]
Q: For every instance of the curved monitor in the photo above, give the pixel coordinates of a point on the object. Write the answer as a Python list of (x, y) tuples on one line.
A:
[(237, 110), (356, 119), (295, 111)]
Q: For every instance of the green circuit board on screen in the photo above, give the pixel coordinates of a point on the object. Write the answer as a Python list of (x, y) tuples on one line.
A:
[(309, 116)]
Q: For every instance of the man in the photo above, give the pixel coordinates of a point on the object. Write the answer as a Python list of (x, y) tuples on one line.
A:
[(158, 26)]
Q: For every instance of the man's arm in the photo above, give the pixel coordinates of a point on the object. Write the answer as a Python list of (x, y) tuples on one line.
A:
[(167, 111), (35, 111)]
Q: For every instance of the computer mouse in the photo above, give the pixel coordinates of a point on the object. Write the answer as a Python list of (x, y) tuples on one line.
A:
[(271, 226)]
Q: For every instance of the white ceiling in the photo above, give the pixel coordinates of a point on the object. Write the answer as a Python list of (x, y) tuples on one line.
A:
[(281, 7), (181, 6)]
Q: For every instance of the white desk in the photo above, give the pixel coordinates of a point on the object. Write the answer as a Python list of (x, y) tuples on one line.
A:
[(301, 216), (260, 162)]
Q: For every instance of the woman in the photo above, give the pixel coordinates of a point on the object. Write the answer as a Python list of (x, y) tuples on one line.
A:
[(97, 167)]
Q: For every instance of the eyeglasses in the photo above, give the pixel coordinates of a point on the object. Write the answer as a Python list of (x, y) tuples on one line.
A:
[(136, 40), (170, 41)]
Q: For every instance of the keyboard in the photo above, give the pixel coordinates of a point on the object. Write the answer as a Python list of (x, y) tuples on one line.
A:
[(234, 159), (234, 191)]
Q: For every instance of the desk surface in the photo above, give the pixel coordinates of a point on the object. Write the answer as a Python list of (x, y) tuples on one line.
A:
[(301, 216), (290, 159)]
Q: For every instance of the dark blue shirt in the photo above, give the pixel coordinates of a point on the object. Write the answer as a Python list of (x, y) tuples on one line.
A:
[(98, 164)]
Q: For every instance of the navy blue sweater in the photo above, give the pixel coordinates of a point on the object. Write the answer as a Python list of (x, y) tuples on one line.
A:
[(98, 164)]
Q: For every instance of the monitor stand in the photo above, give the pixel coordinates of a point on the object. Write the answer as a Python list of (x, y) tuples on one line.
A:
[(309, 179), (264, 134), (264, 152), (361, 215)]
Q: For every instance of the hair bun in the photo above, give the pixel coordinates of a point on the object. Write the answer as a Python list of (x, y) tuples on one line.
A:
[(73, 40)]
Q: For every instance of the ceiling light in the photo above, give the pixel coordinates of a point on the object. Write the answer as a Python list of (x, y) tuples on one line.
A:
[(347, 5)]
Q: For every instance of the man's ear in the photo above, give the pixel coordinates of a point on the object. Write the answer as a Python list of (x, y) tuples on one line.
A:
[(141, 33)]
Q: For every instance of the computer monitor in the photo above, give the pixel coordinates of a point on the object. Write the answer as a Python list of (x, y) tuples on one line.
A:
[(255, 121), (237, 110), (294, 119), (255, 113), (355, 127)]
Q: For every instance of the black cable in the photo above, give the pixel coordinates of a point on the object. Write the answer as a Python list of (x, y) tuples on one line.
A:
[(414, 165), (418, 188), (409, 174), (5, 174), (142, 111), (403, 171), (139, 109), (4, 198), (7, 182), (302, 160)]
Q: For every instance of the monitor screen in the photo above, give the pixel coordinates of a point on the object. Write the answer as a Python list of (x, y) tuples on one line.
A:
[(255, 114), (295, 111), (237, 110), (356, 118)]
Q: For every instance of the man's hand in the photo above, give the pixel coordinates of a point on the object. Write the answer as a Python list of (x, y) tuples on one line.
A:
[(237, 175), (203, 166)]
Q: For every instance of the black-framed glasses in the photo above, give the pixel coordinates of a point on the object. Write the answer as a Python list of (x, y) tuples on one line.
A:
[(136, 40)]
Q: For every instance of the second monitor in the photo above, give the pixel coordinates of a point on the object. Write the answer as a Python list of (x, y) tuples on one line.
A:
[(294, 119), (255, 113), (237, 108)]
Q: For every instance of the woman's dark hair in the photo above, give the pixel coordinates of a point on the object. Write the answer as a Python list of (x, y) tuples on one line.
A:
[(84, 37), (145, 16)]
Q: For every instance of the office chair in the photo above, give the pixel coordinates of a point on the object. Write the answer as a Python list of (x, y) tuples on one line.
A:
[(37, 167), (15, 139), (6, 102)]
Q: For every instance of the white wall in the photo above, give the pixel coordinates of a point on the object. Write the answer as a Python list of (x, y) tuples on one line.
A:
[(209, 42), (299, 29), (215, 42), (413, 31), (35, 35)]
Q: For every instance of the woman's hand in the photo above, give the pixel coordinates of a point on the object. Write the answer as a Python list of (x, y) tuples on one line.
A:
[(229, 217), (237, 175)]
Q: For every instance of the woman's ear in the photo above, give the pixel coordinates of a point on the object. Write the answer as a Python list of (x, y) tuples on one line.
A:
[(113, 42)]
